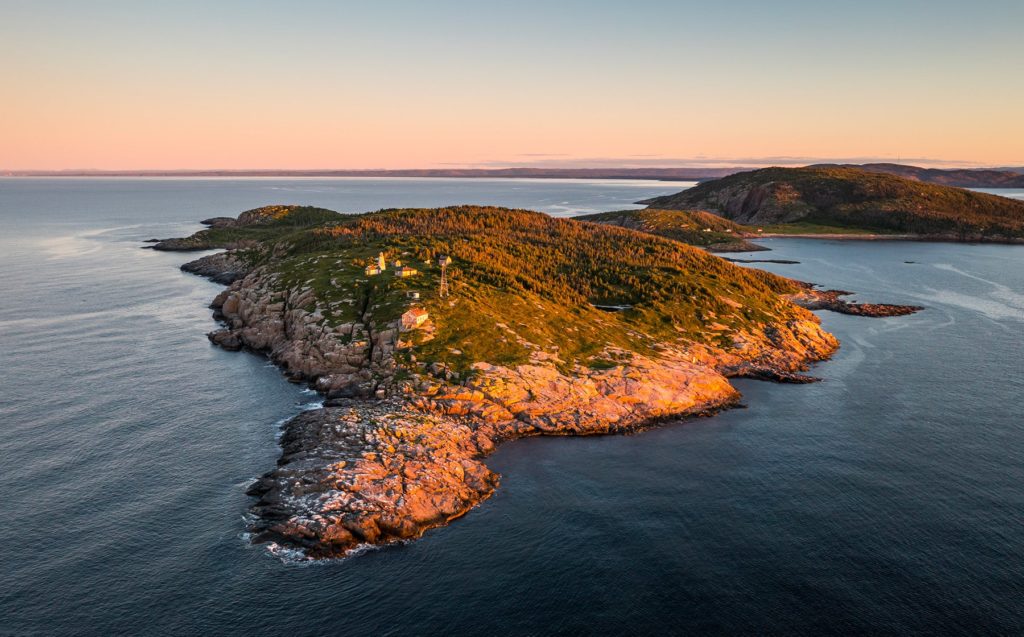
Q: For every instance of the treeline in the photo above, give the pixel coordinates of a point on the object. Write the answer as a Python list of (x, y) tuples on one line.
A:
[(694, 227)]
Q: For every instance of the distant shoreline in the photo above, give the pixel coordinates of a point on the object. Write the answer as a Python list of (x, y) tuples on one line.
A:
[(960, 178), (651, 174), (888, 237)]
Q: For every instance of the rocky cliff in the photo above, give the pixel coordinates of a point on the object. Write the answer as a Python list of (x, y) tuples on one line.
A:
[(410, 414), (376, 471)]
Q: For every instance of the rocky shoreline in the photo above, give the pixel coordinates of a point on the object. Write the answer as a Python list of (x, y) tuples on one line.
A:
[(383, 461), (399, 445), (923, 238), (831, 300)]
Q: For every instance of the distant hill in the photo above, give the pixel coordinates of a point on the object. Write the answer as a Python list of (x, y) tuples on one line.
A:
[(963, 177), (852, 198), (653, 173), (694, 227), (960, 177)]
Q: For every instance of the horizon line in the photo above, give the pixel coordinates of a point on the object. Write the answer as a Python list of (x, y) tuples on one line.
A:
[(660, 171)]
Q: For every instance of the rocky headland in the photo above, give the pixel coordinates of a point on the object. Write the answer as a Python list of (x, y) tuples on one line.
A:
[(852, 203), (420, 386)]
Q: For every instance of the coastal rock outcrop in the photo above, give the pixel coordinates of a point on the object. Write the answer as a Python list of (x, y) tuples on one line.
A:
[(371, 472), (221, 267), (390, 458), (412, 409), (350, 359), (831, 300)]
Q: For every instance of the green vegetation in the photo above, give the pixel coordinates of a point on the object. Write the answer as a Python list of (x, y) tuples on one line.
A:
[(694, 227), (253, 227), (817, 228), (523, 284), (841, 197)]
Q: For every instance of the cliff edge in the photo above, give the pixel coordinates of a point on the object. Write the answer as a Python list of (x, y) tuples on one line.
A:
[(541, 326)]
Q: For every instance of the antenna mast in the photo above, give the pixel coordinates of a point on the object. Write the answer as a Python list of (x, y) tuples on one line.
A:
[(443, 261)]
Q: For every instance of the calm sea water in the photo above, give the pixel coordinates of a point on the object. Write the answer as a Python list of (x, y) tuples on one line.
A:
[(889, 498)]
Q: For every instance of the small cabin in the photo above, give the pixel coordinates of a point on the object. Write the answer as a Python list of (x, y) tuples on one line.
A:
[(413, 318), (413, 295), (405, 271), (372, 270), (398, 263)]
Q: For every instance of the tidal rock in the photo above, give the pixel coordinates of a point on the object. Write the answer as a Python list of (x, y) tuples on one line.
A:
[(223, 267), (226, 339), (814, 299)]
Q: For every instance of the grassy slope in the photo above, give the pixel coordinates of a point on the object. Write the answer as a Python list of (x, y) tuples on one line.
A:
[(687, 226), (960, 177), (258, 225), (853, 198), (523, 283)]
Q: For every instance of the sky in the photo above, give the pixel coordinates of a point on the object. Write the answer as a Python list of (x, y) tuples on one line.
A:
[(310, 84)]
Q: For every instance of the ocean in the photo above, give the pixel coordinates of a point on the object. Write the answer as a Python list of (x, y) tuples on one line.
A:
[(888, 498)]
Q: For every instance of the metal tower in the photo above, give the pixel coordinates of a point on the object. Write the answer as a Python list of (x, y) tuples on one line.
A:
[(443, 261)]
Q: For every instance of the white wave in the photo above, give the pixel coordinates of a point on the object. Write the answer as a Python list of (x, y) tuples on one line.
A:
[(991, 309), (1004, 294), (288, 555), (37, 323), (68, 247)]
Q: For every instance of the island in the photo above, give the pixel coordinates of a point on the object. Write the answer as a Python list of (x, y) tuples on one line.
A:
[(435, 335), (846, 202)]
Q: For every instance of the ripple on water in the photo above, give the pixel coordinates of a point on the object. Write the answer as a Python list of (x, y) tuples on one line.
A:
[(887, 496)]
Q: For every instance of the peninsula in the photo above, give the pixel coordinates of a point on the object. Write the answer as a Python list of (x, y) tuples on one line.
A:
[(437, 334)]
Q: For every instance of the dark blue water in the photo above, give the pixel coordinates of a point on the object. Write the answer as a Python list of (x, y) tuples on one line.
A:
[(887, 499)]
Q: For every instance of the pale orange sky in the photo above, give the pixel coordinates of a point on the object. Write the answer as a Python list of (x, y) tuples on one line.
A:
[(111, 85)]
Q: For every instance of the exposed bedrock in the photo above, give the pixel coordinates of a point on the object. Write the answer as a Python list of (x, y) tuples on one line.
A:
[(388, 458), (832, 300), (221, 267)]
